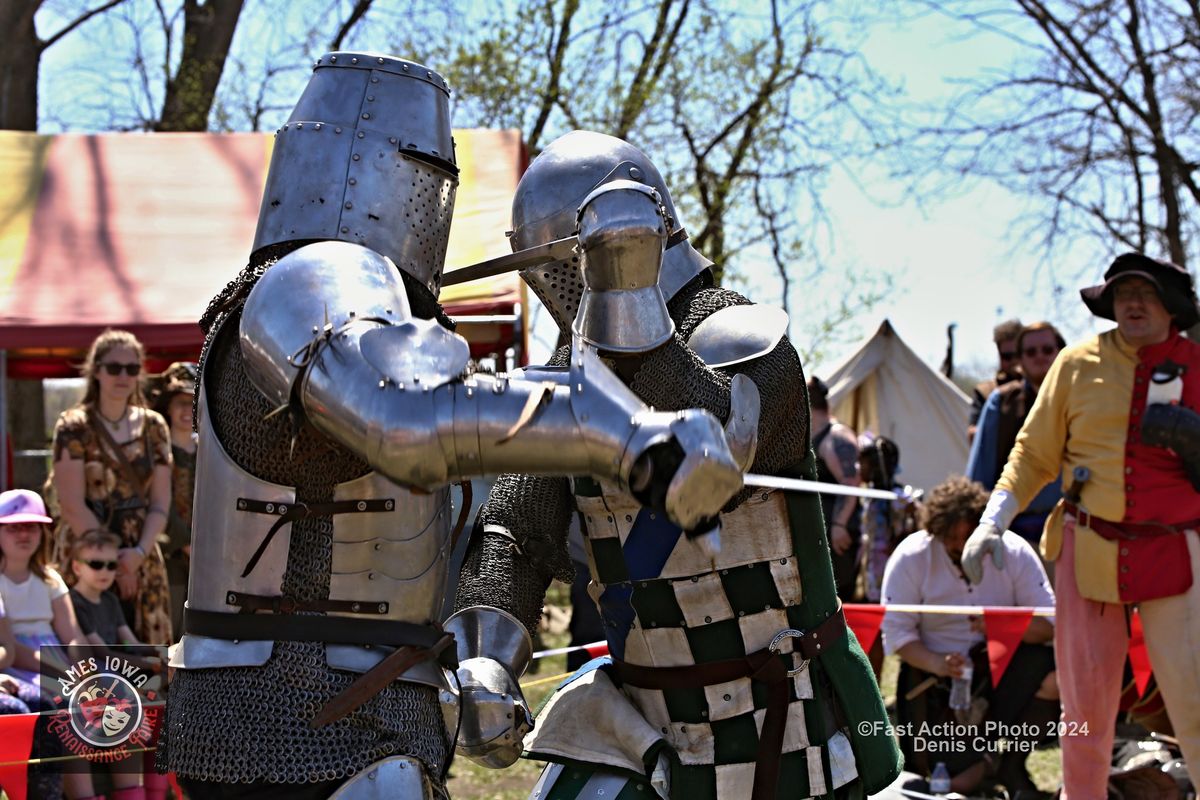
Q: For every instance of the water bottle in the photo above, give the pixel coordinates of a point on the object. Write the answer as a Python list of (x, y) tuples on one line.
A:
[(939, 781), (960, 689)]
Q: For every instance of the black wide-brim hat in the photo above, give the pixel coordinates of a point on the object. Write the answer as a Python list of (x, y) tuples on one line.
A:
[(1174, 284)]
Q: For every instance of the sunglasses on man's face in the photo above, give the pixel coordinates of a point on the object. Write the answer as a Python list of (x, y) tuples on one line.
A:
[(1008, 355), (97, 564), (113, 368), (1047, 350)]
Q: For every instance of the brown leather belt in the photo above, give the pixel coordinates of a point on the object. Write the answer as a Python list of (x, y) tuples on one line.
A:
[(1126, 530), (764, 666)]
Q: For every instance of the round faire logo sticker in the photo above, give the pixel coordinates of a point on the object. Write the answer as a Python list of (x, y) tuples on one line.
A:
[(105, 709), (108, 706)]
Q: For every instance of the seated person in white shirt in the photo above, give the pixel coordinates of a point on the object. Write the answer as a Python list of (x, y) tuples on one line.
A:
[(925, 570)]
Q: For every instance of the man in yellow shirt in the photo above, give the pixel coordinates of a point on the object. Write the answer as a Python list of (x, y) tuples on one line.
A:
[(1122, 405)]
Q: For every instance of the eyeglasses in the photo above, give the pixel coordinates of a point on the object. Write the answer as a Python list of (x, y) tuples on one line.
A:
[(113, 368), (1128, 293), (1046, 349), (97, 564), (1008, 355)]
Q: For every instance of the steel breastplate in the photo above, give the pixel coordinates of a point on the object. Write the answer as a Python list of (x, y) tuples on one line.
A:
[(389, 557)]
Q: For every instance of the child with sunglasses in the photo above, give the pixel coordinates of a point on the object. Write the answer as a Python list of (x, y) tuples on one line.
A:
[(94, 566)]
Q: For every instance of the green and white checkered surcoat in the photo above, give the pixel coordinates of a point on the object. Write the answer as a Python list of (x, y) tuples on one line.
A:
[(667, 603)]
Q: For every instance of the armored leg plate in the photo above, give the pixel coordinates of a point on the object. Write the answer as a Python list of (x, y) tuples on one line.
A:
[(577, 783), (395, 778)]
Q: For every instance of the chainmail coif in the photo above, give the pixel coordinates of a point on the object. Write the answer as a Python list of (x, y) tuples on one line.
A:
[(246, 724)]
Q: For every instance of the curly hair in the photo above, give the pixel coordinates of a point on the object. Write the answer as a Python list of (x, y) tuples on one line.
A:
[(955, 500)]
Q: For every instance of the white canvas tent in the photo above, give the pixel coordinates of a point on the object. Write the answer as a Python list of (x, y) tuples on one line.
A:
[(885, 388)]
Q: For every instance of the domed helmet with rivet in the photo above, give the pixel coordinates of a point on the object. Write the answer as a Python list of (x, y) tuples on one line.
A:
[(547, 201)]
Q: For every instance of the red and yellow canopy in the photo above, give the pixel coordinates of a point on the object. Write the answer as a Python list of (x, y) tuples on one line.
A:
[(140, 231)]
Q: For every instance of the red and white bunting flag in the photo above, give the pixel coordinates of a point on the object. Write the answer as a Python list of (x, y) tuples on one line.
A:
[(1139, 658), (1004, 628)]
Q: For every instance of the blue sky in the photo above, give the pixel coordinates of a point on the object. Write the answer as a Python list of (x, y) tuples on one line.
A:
[(954, 258)]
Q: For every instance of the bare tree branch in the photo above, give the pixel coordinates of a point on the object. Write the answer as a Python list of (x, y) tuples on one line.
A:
[(75, 23), (357, 13)]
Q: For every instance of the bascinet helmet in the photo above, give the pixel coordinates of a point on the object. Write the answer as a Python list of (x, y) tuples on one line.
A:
[(366, 157), (547, 201)]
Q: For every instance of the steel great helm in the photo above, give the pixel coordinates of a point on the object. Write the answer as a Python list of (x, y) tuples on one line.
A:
[(366, 157), (547, 202)]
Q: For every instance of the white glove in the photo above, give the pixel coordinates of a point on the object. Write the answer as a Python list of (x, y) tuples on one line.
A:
[(986, 539)]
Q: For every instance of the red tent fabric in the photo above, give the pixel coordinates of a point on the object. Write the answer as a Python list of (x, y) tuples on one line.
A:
[(140, 231)]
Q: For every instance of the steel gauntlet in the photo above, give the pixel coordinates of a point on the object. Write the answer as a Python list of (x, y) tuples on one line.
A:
[(494, 650)]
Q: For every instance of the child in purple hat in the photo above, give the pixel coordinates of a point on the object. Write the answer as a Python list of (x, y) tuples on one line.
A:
[(36, 609)]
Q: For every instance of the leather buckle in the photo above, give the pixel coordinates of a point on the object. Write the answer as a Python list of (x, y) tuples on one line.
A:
[(1082, 517), (789, 633), (284, 605)]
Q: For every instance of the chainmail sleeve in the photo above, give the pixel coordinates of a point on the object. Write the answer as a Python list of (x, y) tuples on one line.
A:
[(518, 546)]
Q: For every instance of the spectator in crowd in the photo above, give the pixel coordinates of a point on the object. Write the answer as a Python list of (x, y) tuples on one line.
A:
[(925, 570), (35, 603), (836, 447), (173, 394), (1123, 406), (112, 471), (1005, 337), (884, 522), (1004, 414), (94, 565)]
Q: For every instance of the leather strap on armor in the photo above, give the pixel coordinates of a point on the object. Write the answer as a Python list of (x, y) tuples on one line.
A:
[(297, 511), (764, 666), (1127, 530), (309, 628), (376, 679), (276, 604)]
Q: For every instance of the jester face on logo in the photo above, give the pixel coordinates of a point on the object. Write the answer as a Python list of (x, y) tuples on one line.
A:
[(106, 710)]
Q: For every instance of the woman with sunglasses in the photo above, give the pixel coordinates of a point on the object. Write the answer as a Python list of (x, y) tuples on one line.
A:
[(112, 471)]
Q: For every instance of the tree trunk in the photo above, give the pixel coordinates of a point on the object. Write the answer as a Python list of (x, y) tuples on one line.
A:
[(20, 52), (207, 34)]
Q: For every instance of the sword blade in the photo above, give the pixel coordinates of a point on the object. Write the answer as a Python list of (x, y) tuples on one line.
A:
[(801, 485), (558, 250)]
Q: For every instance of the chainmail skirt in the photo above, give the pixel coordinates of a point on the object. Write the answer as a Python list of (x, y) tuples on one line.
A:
[(243, 724)]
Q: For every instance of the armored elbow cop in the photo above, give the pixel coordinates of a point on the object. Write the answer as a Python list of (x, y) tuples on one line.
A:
[(1178, 428)]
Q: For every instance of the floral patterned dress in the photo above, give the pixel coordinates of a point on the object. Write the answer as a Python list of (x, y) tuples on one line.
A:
[(120, 506)]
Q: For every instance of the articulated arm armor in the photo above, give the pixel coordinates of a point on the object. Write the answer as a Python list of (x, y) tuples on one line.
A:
[(327, 331), (1176, 427)]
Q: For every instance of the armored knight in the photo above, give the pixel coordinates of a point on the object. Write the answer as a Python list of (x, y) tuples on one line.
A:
[(732, 673), (333, 409)]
